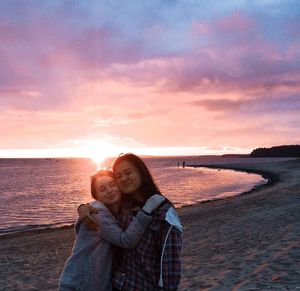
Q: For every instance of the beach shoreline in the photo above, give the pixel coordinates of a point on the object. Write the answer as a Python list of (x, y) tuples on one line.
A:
[(269, 176), (244, 242), (271, 179)]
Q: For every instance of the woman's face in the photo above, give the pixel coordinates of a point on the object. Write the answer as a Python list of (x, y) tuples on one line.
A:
[(128, 177), (107, 190)]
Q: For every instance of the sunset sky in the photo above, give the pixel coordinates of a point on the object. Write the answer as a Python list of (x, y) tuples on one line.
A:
[(96, 78)]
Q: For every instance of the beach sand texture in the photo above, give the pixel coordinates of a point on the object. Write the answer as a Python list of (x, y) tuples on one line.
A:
[(248, 242)]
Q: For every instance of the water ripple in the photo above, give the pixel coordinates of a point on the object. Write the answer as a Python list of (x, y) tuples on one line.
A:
[(39, 193)]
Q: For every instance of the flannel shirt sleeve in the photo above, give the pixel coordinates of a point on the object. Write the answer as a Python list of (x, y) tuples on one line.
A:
[(171, 264)]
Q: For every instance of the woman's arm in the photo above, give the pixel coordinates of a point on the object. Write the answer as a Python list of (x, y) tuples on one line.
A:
[(84, 213), (112, 232), (127, 239)]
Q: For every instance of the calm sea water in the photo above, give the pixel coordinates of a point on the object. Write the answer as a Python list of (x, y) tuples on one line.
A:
[(39, 193)]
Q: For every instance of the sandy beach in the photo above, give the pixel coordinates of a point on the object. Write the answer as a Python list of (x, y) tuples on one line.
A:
[(247, 242)]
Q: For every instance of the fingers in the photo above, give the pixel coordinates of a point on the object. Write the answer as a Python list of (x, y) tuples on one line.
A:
[(93, 210), (90, 222), (82, 210)]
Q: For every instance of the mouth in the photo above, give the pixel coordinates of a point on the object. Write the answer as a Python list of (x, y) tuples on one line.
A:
[(113, 196)]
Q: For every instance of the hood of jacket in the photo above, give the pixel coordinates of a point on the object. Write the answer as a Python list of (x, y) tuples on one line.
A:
[(168, 213)]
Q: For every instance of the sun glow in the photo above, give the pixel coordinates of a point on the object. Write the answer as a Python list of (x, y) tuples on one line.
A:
[(97, 150)]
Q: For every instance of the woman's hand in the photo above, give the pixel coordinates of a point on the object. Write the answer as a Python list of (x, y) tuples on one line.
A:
[(153, 202), (84, 212)]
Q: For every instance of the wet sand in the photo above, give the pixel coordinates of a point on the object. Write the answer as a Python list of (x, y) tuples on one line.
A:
[(247, 242)]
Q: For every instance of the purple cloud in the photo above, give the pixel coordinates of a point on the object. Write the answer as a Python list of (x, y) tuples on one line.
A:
[(266, 104)]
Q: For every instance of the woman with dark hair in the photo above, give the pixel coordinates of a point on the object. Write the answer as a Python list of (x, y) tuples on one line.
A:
[(147, 186), (154, 264), (90, 265)]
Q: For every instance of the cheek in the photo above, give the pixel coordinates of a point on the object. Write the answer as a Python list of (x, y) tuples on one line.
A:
[(118, 181), (118, 197), (99, 196), (118, 185), (117, 190), (138, 181)]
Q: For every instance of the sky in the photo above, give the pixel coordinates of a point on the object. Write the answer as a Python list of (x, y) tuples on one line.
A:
[(97, 78)]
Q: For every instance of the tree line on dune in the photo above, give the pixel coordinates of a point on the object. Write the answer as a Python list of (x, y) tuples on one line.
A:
[(277, 151)]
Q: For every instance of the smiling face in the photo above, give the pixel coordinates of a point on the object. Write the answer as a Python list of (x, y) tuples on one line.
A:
[(107, 191), (128, 177)]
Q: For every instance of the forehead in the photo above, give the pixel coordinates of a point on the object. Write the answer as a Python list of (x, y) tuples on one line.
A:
[(103, 180), (124, 166)]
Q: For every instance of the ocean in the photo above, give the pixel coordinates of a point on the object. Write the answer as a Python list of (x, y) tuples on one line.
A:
[(41, 193)]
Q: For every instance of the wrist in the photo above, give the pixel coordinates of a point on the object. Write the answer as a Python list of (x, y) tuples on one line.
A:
[(145, 212)]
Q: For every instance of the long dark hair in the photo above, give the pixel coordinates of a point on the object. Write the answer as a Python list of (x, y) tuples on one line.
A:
[(148, 186)]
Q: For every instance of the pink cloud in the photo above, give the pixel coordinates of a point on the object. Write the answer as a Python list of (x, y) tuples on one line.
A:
[(235, 23), (41, 56), (232, 61), (60, 83)]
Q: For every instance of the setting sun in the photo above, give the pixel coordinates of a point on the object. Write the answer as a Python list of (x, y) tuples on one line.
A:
[(97, 150)]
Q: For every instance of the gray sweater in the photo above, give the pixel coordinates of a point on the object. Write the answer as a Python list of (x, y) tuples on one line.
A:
[(90, 265)]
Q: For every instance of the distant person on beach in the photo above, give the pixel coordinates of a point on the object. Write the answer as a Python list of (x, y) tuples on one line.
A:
[(154, 264), (183, 164), (90, 265)]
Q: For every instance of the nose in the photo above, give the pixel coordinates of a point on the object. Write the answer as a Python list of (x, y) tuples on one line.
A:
[(110, 189), (123, 177)]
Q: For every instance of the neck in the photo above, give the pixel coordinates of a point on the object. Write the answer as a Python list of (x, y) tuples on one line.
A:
[(115, 208), (137, 196)]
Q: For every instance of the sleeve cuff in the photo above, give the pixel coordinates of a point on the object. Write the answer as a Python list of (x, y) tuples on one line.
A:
[(142, 210)]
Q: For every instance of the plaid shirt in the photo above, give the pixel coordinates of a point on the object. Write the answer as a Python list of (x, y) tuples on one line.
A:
[(140, 267)]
